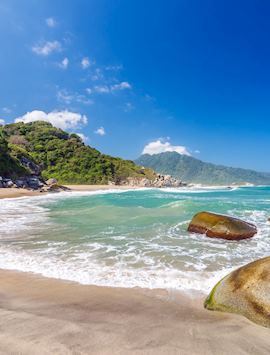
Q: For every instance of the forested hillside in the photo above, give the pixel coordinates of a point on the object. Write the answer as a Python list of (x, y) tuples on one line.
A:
[(55, 153), (193, 170)]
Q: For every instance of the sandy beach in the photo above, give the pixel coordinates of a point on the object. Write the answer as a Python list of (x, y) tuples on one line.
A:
[(41, 315), (16, 192), (48, 316)]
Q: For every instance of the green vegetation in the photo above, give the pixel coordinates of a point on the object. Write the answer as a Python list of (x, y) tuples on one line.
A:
[(9, 165), (196, 171), (60, 155)]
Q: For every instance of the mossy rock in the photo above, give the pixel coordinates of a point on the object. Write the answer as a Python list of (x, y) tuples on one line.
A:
[(245, 291), (221, 226)]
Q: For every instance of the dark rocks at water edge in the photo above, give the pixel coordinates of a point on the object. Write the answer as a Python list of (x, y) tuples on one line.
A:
[(245, 291), (33, 183), (221, 226), (24, 182)]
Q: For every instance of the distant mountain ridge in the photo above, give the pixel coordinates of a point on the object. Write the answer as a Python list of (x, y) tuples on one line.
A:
[(193, 170)]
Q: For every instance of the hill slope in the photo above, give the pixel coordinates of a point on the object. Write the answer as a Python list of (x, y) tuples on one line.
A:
[(193, 170), (51, 152)]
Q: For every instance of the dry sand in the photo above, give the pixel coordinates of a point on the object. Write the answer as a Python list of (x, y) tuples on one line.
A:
[(15, 192), (46, 316)]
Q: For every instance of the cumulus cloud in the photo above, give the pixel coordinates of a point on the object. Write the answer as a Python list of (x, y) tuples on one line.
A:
[(64, 63), (2, 122), (47, 48), (121, 86), (85, 63), (60, 119), (100, 131), (158, 146), (50, 21), (83, 137)]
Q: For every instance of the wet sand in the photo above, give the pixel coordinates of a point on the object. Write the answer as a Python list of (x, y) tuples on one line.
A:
[(47, 316)]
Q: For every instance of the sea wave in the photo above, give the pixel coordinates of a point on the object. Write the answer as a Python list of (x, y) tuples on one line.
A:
[(134, 247)]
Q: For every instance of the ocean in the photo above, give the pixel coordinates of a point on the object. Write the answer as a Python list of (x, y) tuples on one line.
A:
[(132, 238)]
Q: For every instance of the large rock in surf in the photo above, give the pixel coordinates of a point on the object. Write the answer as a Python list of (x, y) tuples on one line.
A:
[(245, 291), (221, 226)]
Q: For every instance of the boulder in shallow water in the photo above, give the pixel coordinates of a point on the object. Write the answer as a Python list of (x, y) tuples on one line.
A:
[(221, 226), (245, 291)]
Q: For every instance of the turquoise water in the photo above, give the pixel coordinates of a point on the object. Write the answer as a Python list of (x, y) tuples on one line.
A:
[(132, 238)]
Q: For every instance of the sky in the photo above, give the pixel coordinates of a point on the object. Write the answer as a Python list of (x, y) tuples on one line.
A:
[(143, 76)]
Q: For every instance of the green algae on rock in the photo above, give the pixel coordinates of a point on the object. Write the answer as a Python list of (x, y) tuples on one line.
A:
[(221, 226), (245, 291)]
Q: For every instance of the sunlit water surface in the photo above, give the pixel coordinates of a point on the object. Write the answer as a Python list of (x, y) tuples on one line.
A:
[(130, 238)]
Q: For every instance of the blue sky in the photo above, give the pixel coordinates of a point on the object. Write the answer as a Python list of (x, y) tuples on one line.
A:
[(191, 76)]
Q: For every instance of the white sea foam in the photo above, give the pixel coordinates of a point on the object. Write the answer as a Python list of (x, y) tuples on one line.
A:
[(158, 255), (120, 275)]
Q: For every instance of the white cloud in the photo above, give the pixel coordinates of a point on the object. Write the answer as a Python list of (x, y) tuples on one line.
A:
[(121, 86), (2, 122), (197, 151), (105, 89), (102, 89), (60, 119), (114, 67), (50, 21), (98, 75), (64, 63), (47, 48), (83, 137), (158, 146), (64, 96), (6, 110), (100, 131), (128, 107), (68, 97), (85, 63)]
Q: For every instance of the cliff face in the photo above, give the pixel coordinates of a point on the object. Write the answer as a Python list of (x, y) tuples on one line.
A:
[(40, 149)]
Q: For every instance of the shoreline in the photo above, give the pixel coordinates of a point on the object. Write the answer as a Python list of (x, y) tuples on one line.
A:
[(19, 192), (49, 316), (44, 315)]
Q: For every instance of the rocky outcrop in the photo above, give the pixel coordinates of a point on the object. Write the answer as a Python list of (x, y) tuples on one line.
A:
[(159, 181), (6, 182), (51, 182), (221, 226), (31, 166), (245, 291), (28, 182)]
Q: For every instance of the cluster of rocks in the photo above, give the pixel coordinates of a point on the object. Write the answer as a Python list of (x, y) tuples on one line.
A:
[(28, 182), (33, 183), (245, 291), (159, 181)]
